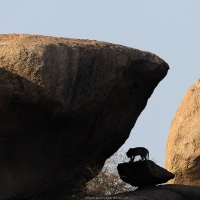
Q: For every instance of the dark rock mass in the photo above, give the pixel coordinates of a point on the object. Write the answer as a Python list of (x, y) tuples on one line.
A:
[(143, 173), (66, 104), (161, 192)]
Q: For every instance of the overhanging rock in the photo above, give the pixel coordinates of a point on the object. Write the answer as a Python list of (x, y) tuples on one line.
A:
[(65, 104)]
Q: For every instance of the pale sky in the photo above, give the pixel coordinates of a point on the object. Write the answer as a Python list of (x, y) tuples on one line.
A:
[(170, 29)]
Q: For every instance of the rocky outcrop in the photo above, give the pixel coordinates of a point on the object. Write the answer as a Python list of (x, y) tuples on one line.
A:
[(162, 192), (143, 173), (66, 104), (183, 152)]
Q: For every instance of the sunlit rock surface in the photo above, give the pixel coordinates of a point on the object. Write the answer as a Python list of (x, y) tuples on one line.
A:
[(183, 152)]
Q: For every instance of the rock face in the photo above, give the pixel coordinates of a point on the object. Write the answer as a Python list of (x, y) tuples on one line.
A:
[(164, 192), (183, 152), (143, 173), (66, 104)]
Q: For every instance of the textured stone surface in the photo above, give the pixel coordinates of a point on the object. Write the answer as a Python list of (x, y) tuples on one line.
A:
[(143, 173), (65, 104), (163, 192), (183, 152)]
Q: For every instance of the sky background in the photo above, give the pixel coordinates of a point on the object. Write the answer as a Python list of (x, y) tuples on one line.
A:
[(170, 29)]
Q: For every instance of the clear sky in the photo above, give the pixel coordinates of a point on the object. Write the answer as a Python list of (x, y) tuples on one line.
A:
[(170, 29)]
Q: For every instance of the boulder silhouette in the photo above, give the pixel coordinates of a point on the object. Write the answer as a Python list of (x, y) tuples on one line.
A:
[(143, 173), (66, 104)]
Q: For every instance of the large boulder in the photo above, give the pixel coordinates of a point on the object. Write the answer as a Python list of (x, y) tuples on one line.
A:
[(143, 173), (183, 152), (66, 104)]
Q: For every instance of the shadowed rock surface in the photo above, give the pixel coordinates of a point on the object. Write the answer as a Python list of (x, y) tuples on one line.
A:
[(65, 104), (143, 173), (163, 192), (183, 152)]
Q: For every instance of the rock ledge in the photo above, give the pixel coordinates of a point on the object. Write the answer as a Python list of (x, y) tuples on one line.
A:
[(143, 173)]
